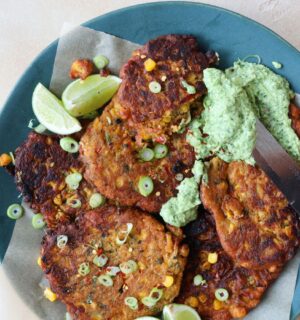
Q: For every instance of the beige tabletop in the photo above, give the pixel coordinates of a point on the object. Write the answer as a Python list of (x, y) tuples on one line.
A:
[(28, 26)]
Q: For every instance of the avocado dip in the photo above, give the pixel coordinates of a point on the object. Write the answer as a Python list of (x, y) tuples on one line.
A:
[(227, 126)]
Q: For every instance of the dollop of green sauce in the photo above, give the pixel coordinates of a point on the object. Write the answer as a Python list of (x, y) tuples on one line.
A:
[(227, 126), (270, 95), (182, 209)]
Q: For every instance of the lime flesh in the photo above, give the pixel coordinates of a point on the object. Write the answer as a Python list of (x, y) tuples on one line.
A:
[(180, 312), (51, 114), (84, 96)]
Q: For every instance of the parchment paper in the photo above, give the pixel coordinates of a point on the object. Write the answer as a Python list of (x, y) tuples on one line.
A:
[(20, 260)]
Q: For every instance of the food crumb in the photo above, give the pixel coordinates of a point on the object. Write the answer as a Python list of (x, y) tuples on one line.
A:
[(277, 65)]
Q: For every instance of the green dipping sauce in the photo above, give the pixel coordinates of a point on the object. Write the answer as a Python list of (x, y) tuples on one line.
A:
[(227, 126)]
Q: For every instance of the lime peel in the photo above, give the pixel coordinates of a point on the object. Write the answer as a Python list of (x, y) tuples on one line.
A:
[(50, 112)]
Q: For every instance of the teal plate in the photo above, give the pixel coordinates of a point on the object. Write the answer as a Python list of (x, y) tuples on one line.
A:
[(232, 35)]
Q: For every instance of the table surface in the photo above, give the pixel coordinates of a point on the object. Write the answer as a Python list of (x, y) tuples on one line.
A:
[(32, 25)]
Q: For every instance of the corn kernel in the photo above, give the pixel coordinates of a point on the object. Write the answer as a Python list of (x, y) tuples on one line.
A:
[(212, 257), (202, 298), (39, 261), (218, 305), (192, 301), (149, 64), (50, 295), (5, 160), (168, 281)]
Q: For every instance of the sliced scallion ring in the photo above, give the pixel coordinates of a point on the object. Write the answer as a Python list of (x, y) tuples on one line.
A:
[(84, 269), (100, 61), (69, 144), (73, 180), (96, 200), (179, 177), (198, 280), (160, 151), (146, 154), (68, 316), (74, 203), (100, 261), (131, 302), (145, 186), (40, 129), (15, 211), (123, 235), (221, 294), (154, 87), (189, 88), (105, 280), (38, 221), (149, 302), (128, 267), (61, 241), (156, 294), (253, 56), (112, 271)]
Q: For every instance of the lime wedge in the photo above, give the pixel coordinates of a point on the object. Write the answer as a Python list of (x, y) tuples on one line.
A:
[(50, 112), (179, 312), (84, 96)]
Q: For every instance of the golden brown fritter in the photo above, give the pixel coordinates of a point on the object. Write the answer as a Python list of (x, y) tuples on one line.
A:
[(294, 114), (245, 286), (176, 58), (256, 226), (111, 156), (157, 252), (40, 171)]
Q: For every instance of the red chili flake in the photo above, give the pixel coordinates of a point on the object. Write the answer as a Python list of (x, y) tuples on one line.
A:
[(99, 251), (161, 139)]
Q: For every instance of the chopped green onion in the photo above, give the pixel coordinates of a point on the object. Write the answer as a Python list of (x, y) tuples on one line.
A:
[(253, 56), (108, 120), (38, 221), (61, 241), (123, 235), (156, 294), (106, 280), (276, 64), (89, 299), (128, 267), (112, 271), (221, 294), (74, 203), (149, 302), (96, 200), (198, 280), (107, 138), (131, 302), (100, 261), (100, 61), (69, 144), (146, 154), (13, 160), (73, 180), (160, 151), (84, 269), (154, 87), (179, 177), (189, 88), (15, 211), (40, 129), (145, 186), (68, 316)]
